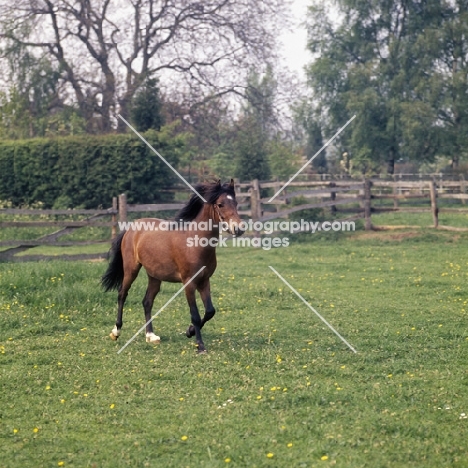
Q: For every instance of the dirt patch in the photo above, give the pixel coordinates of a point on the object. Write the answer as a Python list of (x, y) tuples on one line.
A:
[(391, 235), (386, 235)]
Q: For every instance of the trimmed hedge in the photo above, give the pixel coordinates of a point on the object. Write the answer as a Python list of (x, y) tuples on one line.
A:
[(87, 171)]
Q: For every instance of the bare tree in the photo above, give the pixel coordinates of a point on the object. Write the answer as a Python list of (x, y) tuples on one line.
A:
[(105, 49)]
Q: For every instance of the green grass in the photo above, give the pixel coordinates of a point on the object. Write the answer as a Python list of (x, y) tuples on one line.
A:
[(274, 374), (423, 220), (50, 250)]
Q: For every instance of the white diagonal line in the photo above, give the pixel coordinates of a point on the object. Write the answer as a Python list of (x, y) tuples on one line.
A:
[(313, 310), (312, 158), (160, 310), (157, 154)]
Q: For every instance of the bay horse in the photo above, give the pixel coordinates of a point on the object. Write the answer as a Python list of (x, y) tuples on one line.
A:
[(174, 255)]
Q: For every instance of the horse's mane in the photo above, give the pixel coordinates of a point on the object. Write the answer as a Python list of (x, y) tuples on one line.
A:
[(210, 192)]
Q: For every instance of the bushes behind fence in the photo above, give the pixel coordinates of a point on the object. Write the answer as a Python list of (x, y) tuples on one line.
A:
[(87, 171)]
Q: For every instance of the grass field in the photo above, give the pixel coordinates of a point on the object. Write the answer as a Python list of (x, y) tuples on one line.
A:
[(276, 389)]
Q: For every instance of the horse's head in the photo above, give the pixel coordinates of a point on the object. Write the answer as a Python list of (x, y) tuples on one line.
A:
[(225, 207)]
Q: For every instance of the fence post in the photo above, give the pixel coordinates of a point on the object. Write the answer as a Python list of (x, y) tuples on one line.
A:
[(114, 218), (333, 197), (123, 207), (395, 192), (276, 188), (462, 187), (367, 203), (434, 209), (255, 203)]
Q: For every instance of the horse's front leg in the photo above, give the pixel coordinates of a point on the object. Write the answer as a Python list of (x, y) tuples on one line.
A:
[(205, 294), (195, 316)]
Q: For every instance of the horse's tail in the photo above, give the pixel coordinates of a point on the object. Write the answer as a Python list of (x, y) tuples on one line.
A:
[(113, 277)]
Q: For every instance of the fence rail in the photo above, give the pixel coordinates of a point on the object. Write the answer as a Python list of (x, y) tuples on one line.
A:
[(93, 218), (355, 198)]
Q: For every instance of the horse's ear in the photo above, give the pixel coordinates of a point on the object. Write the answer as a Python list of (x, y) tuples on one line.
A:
[(232, 183)]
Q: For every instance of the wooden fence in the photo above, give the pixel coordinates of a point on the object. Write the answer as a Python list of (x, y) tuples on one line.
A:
[(347, 199), (92, 218), (359, 199)]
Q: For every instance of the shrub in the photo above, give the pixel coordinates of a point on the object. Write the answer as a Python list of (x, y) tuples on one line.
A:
[(87, 170)]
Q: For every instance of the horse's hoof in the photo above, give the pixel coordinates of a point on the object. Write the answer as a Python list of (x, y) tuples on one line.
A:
[(152, 338), (115, 333), (190, 331), (201, 348)]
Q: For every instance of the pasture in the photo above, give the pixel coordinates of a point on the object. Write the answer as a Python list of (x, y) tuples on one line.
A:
[(276, 388)]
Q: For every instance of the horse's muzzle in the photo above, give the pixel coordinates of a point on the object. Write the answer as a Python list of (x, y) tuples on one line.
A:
[(234, 228), (238, 231)]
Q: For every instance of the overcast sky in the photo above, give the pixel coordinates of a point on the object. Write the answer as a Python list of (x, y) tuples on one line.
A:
[(294, 43)]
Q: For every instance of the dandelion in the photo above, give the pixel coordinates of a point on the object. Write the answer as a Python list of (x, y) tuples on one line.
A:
[(48, 387), (62, 400), (290, 445), (112, 406), (35, 430), (61, 463), (15, 431), (227, 460), (184, 438), (259, 397), (324, 458), (270, 455), (181, 399)]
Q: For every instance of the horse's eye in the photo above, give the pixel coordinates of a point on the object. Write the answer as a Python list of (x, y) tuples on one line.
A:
[(220, 205)]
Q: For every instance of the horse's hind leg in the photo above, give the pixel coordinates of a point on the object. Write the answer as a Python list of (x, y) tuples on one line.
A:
[(195, 316), (129, 278), (153, 288), (205, 294)]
